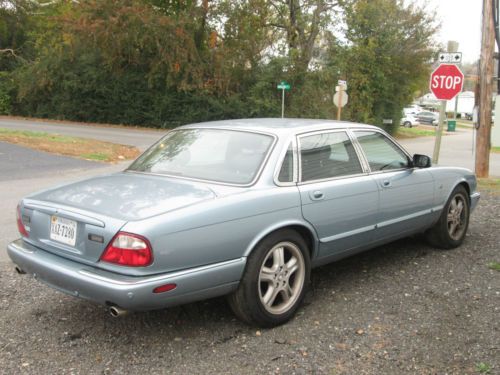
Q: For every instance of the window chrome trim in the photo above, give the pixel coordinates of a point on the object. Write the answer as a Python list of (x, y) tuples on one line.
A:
[(347, 176), (394, 142), (359, 151), (326, 131), (251, 183), (281, 159)]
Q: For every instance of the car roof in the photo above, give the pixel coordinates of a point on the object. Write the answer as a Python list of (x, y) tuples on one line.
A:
[(279, 126)]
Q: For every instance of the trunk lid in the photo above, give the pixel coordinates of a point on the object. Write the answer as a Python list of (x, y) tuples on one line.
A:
[(97, 208)]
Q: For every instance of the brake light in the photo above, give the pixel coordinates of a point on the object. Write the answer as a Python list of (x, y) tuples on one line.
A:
[(128, 249), (20, 224)]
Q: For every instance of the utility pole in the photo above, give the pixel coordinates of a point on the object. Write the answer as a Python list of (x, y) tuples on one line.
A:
[(483, 139)]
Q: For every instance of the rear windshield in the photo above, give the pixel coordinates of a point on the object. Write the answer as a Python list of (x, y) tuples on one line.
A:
[(226, 156)]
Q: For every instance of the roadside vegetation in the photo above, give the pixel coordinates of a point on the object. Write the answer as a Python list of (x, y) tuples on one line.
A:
[(404, 133), (494, 266), (464, 124), (70, 146), (164, 63), (483, 368), (490, 184)]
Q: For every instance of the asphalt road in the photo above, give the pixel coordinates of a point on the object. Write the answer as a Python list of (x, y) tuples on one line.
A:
[(456, 150), (140, 138), (19, 163), (23, 171)]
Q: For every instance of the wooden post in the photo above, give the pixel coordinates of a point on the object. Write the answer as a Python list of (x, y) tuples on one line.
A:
[(483, 140), (439, 132), (339, 108)]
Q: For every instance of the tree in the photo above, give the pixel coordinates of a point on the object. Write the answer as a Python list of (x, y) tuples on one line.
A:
[(386, 60), (170, 62), (302, 21)]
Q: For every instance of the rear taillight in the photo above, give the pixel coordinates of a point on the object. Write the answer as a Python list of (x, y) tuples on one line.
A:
[(128, 249), (20, 224)]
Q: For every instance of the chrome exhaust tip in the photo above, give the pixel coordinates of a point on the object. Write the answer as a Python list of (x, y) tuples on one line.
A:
[(116, 311), (19, 270)]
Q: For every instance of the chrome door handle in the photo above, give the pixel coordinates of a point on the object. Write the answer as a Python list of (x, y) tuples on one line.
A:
[(386, 183), (317, 195)]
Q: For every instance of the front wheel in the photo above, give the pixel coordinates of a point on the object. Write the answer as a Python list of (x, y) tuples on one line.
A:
[(274, 283), (449, 232), (407, 124)]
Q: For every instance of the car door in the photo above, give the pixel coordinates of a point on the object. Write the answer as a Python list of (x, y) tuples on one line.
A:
[(422, 116), (338, 197), (406, 193)]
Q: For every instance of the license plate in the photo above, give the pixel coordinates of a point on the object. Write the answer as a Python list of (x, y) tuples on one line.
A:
[(63, 230)]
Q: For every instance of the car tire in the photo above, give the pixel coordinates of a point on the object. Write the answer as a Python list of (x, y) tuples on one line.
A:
[(450, 230), (275, 280), (407, 124)]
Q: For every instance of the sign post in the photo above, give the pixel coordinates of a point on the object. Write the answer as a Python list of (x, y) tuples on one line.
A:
[(283, 85), (446, 82), (340, 98)]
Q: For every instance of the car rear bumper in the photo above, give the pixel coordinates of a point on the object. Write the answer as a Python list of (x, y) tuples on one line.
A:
[(127, 292)]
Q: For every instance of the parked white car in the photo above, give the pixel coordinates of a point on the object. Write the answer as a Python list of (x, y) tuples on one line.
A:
[(409, 121)]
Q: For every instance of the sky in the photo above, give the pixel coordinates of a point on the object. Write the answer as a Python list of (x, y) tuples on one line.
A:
[(460, 21)]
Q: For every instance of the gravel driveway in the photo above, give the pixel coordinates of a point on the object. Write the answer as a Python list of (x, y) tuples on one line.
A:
[(400, 309)]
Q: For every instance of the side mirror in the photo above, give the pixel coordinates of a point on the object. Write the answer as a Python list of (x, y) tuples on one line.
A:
[(421, 161)]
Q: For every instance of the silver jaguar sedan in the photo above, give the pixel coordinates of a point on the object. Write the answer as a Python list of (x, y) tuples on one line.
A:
[(243, 208)]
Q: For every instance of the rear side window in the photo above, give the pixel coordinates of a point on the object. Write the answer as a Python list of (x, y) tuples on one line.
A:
[(286, 171), (381, 152), (328, 155)]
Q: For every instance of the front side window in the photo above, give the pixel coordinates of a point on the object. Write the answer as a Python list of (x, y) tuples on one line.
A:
[(381, 152), (328, 155), (219, 155)]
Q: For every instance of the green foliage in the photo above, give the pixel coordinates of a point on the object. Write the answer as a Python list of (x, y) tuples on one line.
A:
[(6, 93), (483, 368), (164, 63), (386, 62), (494, 266)]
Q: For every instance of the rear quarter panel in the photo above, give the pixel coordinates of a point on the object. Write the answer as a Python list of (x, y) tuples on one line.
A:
[(218, 230)]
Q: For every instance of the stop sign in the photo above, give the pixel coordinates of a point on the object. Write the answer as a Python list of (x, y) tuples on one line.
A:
[(446, 81)]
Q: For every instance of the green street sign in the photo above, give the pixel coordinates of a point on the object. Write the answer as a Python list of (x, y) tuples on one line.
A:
[(283, 86)]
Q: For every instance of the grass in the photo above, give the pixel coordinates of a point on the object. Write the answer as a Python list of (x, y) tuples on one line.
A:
[(492, 184), (464, 124), (95, 156), (82, 148), (495, 266), (483, 368), (496, 150), (404, 133)]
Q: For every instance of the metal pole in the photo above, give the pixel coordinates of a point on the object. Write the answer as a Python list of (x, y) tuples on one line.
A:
[(283, 102), (437, 144)]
